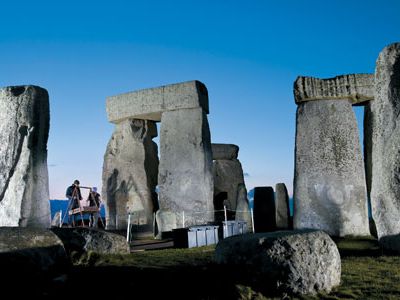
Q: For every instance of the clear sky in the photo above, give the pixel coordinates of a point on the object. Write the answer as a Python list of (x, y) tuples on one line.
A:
[(248, 53)]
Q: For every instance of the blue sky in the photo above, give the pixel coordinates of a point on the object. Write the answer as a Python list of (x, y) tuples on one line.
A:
[(248, 53)]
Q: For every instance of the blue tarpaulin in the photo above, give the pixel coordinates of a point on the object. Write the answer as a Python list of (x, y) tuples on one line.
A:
[(57, 205)]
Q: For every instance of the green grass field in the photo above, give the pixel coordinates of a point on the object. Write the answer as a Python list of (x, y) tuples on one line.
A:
[(191, 273)]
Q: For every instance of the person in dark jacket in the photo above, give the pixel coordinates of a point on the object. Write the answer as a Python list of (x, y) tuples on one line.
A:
[(94, 200), (73, 194)]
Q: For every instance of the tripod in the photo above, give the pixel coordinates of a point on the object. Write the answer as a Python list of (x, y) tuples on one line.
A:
[(70, 209)]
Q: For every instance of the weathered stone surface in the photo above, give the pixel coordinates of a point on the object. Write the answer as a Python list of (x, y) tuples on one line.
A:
[(228, 175), (185, 173), (282, 206), (242, 208), (390, 243), (166, 220), (297, 262), (357, 88), (130, 174), (148, 104), (382, 143), (329, 181), (32, 251), (225, 151), (24, 128), (264, 209), (82, 239)]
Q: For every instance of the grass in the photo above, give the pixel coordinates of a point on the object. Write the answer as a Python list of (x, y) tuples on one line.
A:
[(367, 278), (192, 274), (167, 258), (156, 274), (366, 272), (370, 278)]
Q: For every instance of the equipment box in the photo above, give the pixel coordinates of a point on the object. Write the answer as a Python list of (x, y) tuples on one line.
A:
[(195, 236), (231, 228)]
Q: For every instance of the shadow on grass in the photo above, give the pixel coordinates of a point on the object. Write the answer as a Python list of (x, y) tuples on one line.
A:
[(358, 246), (153, 283)]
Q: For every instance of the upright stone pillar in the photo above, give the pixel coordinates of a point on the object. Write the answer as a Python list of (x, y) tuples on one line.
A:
[(185, 173), (229, 179), (382, 143), (130, 174), (329, 180), (228, 172), (264, 209), (282, 207), (24, 129), (242, 208)]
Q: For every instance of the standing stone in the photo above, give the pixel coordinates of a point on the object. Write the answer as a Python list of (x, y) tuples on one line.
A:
[(185, 173), (329, 181), (282, 206), (228, 175), (242, 208), (24, 129), (229, 179), (264, 209), (185, 176), (382, 143), (130, 174)]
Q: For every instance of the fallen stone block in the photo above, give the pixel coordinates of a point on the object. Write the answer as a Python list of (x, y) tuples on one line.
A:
[(30, 256), (293, 262), (82, 240), (390, 243)]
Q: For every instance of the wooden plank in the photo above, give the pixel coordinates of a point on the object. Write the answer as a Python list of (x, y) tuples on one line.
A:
[(84, 210)]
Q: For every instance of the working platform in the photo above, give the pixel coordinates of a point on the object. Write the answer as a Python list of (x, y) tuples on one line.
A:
[(84, 210)]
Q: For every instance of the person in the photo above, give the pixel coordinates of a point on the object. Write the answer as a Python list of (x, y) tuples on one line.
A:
[(73, 194), (94, 200)]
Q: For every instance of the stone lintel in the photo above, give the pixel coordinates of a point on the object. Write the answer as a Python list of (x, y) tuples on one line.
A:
[(224, 151), (357, 88), (149, 104)]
